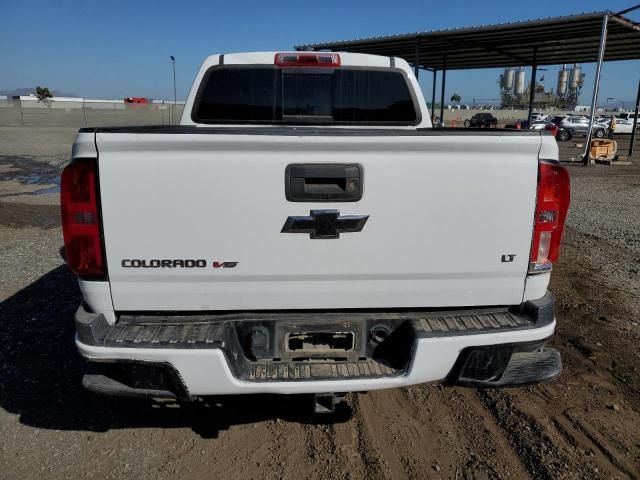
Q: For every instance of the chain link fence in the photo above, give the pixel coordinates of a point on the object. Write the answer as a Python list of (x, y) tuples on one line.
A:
[(30, 113)]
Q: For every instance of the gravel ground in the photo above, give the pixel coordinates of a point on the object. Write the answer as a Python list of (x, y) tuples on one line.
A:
[(584, 424), (607, 205), (51, 145)]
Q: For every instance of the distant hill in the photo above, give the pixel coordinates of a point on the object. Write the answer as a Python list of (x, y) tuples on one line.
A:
[(28, 91)]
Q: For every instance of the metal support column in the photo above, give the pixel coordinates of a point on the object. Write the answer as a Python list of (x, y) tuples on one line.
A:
[(444, 82), (596, 87), (416, 64), (175, 97), (532, 88), (433, 98), (635, 122)]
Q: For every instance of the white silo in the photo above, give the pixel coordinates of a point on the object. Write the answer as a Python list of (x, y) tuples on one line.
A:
[(507, 78), (518, 87), (563, 78), (574, 77)]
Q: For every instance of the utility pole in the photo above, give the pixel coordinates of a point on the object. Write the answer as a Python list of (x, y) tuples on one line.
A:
[(532, 87), (173, 63), (416, 64), (444, 82)]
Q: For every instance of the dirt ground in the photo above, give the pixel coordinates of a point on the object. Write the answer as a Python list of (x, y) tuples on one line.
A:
[(584, 424)]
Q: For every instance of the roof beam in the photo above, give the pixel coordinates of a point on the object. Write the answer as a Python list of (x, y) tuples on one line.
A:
[(488, 48), (558, 40)]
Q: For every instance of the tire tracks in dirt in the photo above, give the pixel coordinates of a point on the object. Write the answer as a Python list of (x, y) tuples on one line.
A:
[(428, 431), (584, 423)]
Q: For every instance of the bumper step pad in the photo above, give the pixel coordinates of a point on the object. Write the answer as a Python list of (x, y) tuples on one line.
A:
[(471, 323), (166, 336), (152, 332), (292, 371)]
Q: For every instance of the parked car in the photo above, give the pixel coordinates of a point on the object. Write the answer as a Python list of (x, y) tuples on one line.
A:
[(282, 242), (625, 116), (563, 134), (541, 124), (559, 132), (481, 120), (539, 117), (624, 123), (557, 119), (579, 126)]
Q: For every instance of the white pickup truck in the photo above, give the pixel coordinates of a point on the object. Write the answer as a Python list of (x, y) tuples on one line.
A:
[(306, 230)]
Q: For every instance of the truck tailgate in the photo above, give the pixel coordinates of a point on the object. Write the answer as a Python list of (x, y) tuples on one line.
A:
[(443, 210)]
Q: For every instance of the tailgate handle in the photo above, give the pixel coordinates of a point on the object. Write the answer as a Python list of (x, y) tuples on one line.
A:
[(323, 182)]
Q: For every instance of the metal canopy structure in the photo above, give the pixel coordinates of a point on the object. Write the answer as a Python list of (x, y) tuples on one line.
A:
[(581, 38), (570, 39)]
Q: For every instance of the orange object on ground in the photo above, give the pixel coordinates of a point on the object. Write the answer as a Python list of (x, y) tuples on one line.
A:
[(603, 149)]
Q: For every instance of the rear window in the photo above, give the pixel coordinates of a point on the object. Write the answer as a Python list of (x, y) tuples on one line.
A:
[(305, 95)]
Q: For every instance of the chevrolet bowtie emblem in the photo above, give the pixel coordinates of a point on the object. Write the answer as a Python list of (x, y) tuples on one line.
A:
[(325, 224)]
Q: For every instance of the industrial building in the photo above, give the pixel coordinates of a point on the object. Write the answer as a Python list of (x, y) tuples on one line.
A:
[(515, 91)]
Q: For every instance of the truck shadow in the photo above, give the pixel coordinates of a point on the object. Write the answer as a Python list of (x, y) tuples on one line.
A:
[(40, 375)]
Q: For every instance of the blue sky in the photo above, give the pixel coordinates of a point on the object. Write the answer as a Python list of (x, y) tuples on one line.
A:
[(113, 49)]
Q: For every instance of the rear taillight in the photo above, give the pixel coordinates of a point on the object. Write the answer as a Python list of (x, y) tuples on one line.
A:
[(81, 225), (307, 60), (552, 205)]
